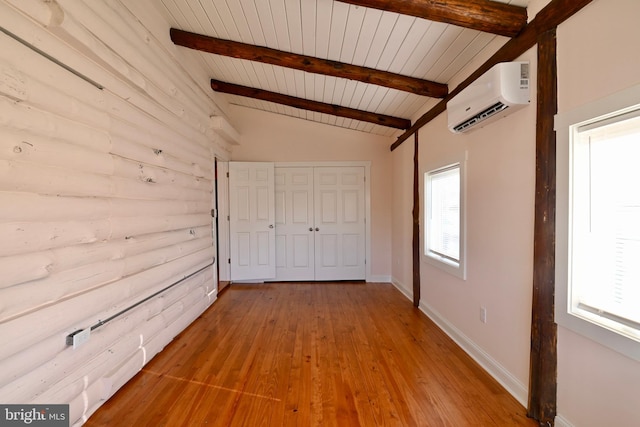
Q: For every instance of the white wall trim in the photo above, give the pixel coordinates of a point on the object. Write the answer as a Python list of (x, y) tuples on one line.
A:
[(560, 421), (381, 278), (406, 291), (495, 369), (319, 164), (223, 222)]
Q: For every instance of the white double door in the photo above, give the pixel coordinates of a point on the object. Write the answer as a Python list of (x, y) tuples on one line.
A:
[(296, 223), (320, 223)]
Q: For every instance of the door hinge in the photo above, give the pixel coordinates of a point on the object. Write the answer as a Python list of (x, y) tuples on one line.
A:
[(227, 174), (229, 260), (228, 218), (214, 213)]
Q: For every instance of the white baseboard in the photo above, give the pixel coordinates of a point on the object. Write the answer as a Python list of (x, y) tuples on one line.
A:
[(497, 371), (560, 421), (379, 279), (407, 292)]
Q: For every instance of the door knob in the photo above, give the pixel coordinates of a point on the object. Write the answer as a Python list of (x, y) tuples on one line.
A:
[(310, 228), (270, 225), (317, 229)]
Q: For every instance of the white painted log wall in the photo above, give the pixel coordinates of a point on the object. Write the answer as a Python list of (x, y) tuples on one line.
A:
[(104, 198)]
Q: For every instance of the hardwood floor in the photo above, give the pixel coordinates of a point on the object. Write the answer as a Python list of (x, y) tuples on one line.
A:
[(312, 354)]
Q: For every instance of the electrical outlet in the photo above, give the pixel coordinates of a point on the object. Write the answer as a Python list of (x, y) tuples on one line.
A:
[(483, 314)]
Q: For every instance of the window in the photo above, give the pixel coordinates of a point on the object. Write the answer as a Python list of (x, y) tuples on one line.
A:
[(444, 231), (601, 228), (605, 244)]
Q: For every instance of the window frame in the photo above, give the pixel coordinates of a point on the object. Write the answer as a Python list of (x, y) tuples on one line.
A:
[(566, 126), (455, 268)]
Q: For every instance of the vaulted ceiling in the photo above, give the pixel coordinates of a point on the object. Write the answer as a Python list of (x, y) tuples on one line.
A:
[(351, 41)]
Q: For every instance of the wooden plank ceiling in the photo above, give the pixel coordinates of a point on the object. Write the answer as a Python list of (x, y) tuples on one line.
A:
[(337, 34)]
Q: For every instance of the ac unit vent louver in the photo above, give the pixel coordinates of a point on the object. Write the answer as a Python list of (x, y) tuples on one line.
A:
[(483, 115), (504, 87)]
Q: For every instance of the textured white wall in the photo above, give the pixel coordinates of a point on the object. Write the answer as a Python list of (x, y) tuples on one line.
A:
[(104, 199)]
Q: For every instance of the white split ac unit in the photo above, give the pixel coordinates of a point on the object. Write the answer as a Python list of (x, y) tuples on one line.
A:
[(498, 92)]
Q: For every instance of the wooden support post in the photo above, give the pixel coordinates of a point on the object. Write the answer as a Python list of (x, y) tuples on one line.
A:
[(416, 225), (543, 362)]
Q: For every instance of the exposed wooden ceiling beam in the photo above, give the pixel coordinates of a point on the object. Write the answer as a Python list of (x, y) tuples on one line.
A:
[(484, 15), (308, 63), (305, 104), (553, 14)]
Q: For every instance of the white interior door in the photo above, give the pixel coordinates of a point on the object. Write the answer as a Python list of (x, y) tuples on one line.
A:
[(252, 220), (294, 223), (340, 228)]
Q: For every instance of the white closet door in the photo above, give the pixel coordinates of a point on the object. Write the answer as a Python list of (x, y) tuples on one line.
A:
[(294, 224), (339, 194), (252, 220)]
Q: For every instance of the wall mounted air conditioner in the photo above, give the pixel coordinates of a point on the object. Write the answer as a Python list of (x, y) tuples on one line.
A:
[(497, 93)]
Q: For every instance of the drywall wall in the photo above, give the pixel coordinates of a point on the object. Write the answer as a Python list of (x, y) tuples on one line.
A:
[(105, 190), (270, 137), (402, 224), (597, 57), (596, 386), (499, 209), (500, 172)]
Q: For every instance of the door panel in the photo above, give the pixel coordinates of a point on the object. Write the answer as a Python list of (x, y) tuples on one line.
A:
[(300, 247), (350, 200), (328, 250), (340, 223), (328, 207), (295, 218), (244, 249), (252, 220), (350, 252)]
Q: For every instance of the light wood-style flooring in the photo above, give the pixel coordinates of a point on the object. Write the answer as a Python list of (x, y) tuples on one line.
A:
[(312, 354)]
